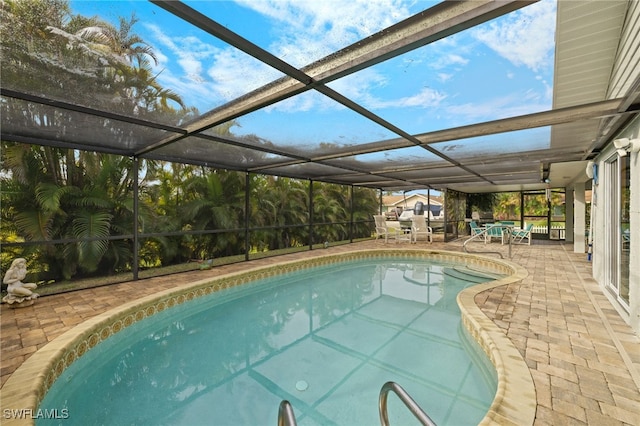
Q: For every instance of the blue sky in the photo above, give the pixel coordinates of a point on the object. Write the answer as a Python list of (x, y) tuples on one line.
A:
[(501, 69)]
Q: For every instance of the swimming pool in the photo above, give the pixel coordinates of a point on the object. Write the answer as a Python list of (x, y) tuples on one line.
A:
[(514, 401), (325, 339)]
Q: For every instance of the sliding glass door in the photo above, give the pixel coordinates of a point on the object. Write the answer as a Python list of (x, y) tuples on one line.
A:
[(625, 233), (616, 238)]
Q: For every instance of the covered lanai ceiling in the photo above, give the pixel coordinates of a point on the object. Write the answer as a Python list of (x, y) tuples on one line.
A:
[(517, 152)]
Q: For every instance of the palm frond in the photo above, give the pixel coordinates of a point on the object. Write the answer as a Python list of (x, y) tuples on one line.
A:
[(89, 225), (48, 196), (34, 224), (93, 201), (93, 33)]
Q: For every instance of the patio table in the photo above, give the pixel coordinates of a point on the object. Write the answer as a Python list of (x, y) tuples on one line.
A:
[(506, 230)]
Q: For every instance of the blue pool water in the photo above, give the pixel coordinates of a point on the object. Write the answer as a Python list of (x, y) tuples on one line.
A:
[(326, 339)]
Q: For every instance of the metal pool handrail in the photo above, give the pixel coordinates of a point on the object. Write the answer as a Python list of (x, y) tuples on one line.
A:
[(406, 399), (286, 417)]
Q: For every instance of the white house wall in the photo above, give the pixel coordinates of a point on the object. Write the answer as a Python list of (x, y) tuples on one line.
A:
[(625, 68), (624, 75), (632, 316)]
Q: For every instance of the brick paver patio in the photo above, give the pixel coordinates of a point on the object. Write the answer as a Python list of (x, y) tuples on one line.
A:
[(584, 359)]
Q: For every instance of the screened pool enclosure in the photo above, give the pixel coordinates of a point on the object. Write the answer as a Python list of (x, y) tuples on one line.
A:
[(116, 167)]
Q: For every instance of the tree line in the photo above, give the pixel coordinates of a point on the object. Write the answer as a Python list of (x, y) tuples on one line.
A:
[(85, 200)]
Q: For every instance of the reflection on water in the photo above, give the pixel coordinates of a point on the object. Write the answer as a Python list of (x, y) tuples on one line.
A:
[(229, 359)]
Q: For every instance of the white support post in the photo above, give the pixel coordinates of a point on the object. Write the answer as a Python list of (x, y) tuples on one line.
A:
[(579, 219), (568, 214)]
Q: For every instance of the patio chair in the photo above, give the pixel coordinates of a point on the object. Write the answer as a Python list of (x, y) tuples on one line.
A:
[(395, 232), (520, 235), (508, 227), (475, 229), (626, 240), (419, 227), (494, 230), (382, 229)]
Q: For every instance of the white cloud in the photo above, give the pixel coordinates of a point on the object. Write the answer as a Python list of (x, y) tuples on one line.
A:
[(192, 68), (447, 60), (512, 105), (525, 37), (444, 77), (306, 31), (160, 57), (302, 32), (232, 74), (189, 59), (307, 101), (189, 51), (360, 87), (314, 29), (548, 88), (206, 75), (425, 98)]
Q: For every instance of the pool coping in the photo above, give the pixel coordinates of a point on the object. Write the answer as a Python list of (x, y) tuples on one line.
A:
[(514, 402)]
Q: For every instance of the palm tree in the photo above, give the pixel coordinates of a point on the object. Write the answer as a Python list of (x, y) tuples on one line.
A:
[(365, 205), (215, 200), (331, 204), (281, 203), (50, 201), (122, 42), (506, 205), (55, 193)]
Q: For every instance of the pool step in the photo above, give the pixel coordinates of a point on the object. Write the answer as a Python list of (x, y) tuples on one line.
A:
[(471, 275)]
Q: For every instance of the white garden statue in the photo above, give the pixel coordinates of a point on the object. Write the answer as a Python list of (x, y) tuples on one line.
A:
[(19, 294)]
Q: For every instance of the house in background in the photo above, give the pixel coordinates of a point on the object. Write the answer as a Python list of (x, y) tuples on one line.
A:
[(394, 205)]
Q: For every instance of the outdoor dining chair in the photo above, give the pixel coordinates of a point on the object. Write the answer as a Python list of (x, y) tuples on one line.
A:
[(396, 232), (382, 230), (475, 229), (419, 228), (524, 234), (494, 230)]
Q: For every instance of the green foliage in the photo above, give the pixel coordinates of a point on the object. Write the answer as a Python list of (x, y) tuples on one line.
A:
[(278, 202), (480, 202), (43, 206), (85, 200), (91, 225), (506, 206)]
